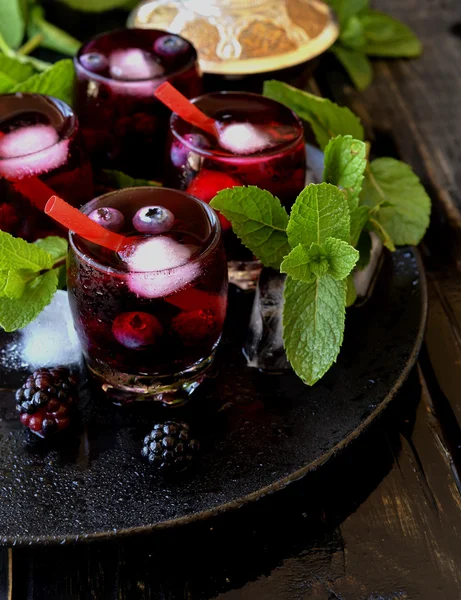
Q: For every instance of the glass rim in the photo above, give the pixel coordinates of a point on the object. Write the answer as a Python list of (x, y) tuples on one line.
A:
[(72, 129), (215, 234), (128, 82), (231, 157)]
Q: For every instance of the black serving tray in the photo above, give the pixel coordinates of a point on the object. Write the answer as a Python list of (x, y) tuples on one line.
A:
[(258, 432)]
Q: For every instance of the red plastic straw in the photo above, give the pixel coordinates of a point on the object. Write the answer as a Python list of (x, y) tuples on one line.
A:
[(34, 190), (179, 104), (73, 219)]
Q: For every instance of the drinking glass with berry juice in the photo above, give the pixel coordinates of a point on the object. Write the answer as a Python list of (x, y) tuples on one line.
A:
[(124, 125), (149, 317), (39, 142), (259, 142)]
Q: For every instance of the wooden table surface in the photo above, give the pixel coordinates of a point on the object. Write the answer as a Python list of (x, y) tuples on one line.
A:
[(383, 521)]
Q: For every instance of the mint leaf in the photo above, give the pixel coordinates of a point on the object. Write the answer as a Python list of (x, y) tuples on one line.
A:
[(320, 212), (345, 163), (16, 253), (326, 118), (305, 263), (38, 65), (120, 180), (12, 23), (382, 233), (341, 256), (313, 325), (56, 81), (345, 9), (55, 246), (53, 37), (351, 293), (334, 257), (386, 36), (402, 206), (258, 219), (17, 313), (12, 283), (356, 64), (352, 34), (359, 218), (12, 71), (99, 5)]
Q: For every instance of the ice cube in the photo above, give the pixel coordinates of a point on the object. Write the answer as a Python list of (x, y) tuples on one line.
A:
[(30, 151), (159, 284), (264, 345), (156, 254), (50, 339), (244, 138), (26, 140), (133, 64)]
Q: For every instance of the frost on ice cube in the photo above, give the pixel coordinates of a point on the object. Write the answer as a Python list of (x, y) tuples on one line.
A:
[(159, 267), (50, 340), (30, 151), (133, 64), (264, 344), (244, 138)]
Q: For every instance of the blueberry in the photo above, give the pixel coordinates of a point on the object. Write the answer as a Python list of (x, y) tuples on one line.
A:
[(170, 45), (136, 330), (153, 219), (110, 218), (179, 152), (93, 61)]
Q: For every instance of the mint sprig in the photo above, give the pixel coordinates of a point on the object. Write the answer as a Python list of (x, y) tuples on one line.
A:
[(365, 32), (56, 81), (29, 276)]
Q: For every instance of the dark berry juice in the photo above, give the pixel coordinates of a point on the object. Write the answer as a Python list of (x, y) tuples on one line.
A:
[(124, 125), (39, 143), (260, 142), (150, 317)]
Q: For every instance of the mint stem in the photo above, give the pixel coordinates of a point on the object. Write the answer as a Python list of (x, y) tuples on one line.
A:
[(31, 44)]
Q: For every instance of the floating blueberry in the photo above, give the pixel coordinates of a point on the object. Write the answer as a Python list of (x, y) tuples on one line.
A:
[(153, 219), (93, 61), (136, 330), (170, 45), (110, 218)]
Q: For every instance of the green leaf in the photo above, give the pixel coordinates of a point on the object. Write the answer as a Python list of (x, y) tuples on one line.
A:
[(258, 219), (17, 313), (382, 233), (53, 37), (351, 293), (352, 34), (38, 65), (357, 65), (334, 257), (345, 9), (55, 246), (345, 163), (98, 5), (120, 180), (359, 218), (305, 263), (56, 81), (386, 36), (12, 71), (320, 212), (313, 325), (401, 205), (16, 253), (12, 22), (12, 283), (326, 118)]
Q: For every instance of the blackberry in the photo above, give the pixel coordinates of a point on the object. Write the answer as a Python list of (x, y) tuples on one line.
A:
[(169, 448), (45, 400)]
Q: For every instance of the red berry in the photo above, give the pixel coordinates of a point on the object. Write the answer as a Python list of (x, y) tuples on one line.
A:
[(136, 330), (35, 422), (25, 418), (207, 184), (195, 326)]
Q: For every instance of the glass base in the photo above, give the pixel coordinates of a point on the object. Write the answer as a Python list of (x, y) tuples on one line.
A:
[(244, 273), (171, 390)]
